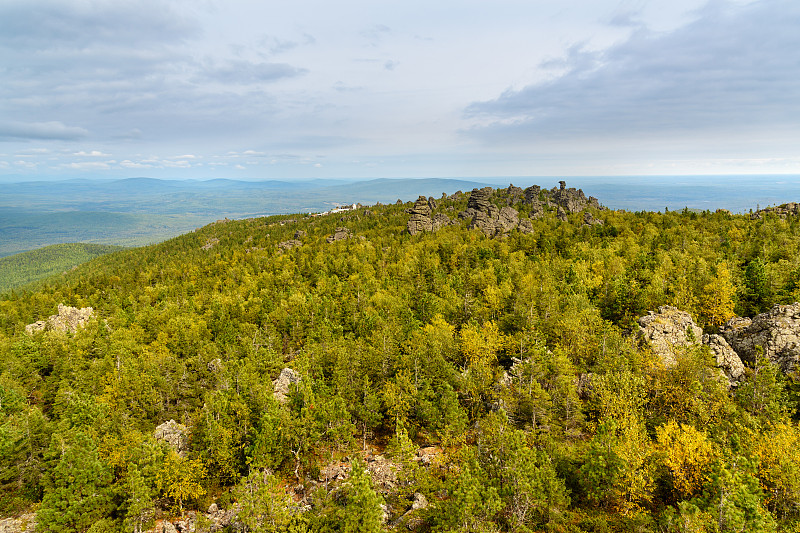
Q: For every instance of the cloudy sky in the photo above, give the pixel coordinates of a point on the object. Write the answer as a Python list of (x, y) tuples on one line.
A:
[(281, 89)]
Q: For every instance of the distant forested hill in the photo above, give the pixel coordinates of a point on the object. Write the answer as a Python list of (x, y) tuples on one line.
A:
[(23, 268)]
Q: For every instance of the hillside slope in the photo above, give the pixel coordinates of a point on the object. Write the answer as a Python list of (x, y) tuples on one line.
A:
[(294, 373), (21, 269)]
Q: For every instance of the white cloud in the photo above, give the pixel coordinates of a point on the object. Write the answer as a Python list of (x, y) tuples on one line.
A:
[(130, 164), (727, 69), (93, 153), (88, 165)]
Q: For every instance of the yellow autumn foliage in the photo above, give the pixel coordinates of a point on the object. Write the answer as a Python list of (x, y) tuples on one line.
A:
[(687, 453)]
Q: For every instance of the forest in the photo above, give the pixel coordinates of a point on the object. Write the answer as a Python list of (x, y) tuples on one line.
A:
[(23, 269), (338, 373)]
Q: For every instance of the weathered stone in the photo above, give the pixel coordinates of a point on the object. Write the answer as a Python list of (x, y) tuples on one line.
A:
[(525, 226), (783, 211), (668, 330), (571, 199), (68, 319), (174, 434), (420, 502), (561, 214), (339, 235), (299, 234), (479, 199), (282, 385), (288, 245), (777, 332), (25, 523), (727, 360), (589, 220), (420, 217)]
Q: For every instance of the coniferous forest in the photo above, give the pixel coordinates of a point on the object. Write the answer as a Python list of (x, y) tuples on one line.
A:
[(339, 373)]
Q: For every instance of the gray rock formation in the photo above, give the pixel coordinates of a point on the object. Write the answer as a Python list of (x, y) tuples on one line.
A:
[(291, 243), (282, 385), (210, 243), (589, 220), (777, 332), (667, 330), (339, 235), (174, 434), (671, 329), (571, 199), (485, 216), (422, 219), (727, 359), (68, 319), (784, 210)]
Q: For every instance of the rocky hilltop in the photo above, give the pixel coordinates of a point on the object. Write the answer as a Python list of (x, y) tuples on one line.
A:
[(496, 212)]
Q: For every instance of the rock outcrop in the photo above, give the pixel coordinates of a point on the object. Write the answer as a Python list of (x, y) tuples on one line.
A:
[(777, 332), (291, 243), (339, 235), (727, 359), (571, 199), (485, 216), (589, 220), (784, 210), (210, 243), (25, 523), (282, 385), (68, 319), (175, 435), (422, 217), (670, 330), (667, 331)]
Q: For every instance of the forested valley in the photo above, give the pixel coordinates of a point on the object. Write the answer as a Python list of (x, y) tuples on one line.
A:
[(444, 365)]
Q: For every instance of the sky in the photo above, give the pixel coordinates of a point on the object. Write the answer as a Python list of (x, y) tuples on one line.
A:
[(279, 89)]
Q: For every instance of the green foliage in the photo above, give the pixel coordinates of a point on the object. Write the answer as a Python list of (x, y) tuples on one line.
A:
[(24, 268), (79, 492), (512, 358)]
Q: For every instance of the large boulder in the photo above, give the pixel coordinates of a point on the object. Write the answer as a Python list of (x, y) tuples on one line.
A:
[(68, 319), (175, 435), (667, 331), (339, 235), (671, 330), (777, 332)]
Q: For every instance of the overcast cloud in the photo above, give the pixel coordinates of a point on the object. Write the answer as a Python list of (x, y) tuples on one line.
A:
[(251, 89)]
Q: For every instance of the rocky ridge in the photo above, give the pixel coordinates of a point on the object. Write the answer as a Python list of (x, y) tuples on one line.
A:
[(485, 210), (784, 210)]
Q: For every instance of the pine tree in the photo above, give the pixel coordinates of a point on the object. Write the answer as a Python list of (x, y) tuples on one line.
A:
[(79, 493)]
